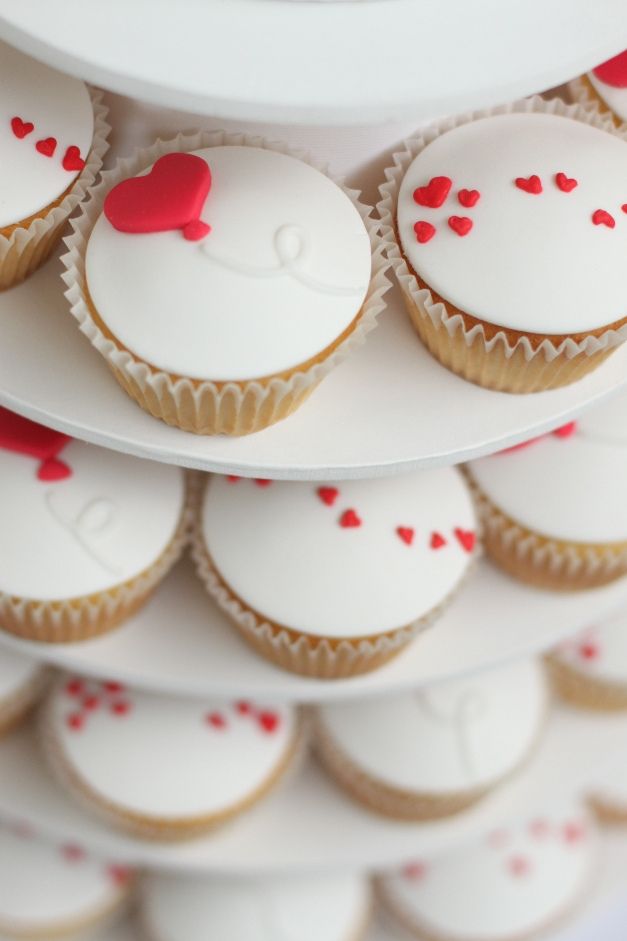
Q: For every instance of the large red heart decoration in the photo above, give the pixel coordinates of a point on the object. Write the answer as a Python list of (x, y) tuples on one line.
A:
[(614, 71), (170, 197), (434, 194)]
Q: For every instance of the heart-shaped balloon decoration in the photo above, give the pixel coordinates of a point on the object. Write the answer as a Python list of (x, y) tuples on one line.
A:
[(170, 197)]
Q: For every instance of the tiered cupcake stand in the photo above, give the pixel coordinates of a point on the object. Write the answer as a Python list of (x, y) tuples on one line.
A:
[(346, 80)]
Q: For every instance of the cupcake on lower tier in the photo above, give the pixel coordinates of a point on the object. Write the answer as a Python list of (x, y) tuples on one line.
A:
[(607, 795), (161, 767), (54, 890), (590, 670), (484, 249), (511, 884), (431, 753), (222, 278), (302, 908), (333, 580), (53, 136), (22, 682), (554, 510), (86, 534), (606, 87)]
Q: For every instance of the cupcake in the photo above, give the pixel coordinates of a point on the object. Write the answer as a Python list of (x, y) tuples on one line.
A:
[(22, 681), (436, 751), (86, 533), (590, 670), (485, 247), (511, 884), (222, 278), (52, 890), (318, 907), (53, 141), (607, 794), (161, 767), (554, 510), (605, 86), (334, 580)]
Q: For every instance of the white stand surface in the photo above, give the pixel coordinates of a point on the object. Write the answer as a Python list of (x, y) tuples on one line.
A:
[(180, 643)]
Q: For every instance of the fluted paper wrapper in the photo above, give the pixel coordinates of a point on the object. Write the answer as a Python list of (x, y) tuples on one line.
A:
[(81, 618), (584, 690), (29, 246), (495, 363), (585, 94), (15, 708), (205, 407)]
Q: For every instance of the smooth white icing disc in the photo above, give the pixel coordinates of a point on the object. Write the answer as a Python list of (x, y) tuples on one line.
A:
[(165, 757), (316, 907), (599, 652), (105, 523), (447, 738), (17, 672), (58, 106), (569, 488), (614, 98), (513, 882), (281, 275), (284, 551), (534, 263)]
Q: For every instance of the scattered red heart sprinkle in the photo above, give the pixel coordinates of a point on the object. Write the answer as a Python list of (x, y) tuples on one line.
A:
[(624, 207), (466, 538), (216, 719), (233, 478), (72, 852), (112, 687), (573, 832), (328, 495), (565, 431), (52, 469), (424, 231), (565, 183), (119, 874), (468, 198), (76, 721), (518, 866), (269, 721), (47, 146), (74, 687), (539, 829), (349, 519), (21, 128), (91, 703), (437, 541), (461, 225), (602, 217), (121, 707), (498, 839), (406, 533), (196, 230), (415, 871), (72, 159), (589, 651), (262, 482), (531, 184), (434, 194), (243, 707)]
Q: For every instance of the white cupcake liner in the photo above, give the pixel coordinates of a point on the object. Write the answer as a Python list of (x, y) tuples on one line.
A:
[(27, 247), (423, 299), (208, 407), (15, 707)]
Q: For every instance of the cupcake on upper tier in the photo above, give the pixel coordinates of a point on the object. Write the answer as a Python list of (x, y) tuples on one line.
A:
[(508, 234), (222, 278), (52, 140), (605, 86)]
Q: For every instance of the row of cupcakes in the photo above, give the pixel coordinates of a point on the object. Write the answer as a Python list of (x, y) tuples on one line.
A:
[(222, 276)]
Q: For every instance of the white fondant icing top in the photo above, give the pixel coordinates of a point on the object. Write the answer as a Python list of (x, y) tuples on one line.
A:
[(534, 263), (614, 98), (599, 652), (105, 523), (571, 488), (16, 672), (166, 757), (509, 884), (44, 885), (315, 907), (450, 737), (59, 107), (289, 551), (281, 275)]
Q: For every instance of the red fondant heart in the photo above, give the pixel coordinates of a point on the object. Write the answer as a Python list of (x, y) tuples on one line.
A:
[(565, 431), (461, 225), (468, 198), (434, 194), (196, 230), (243, 707), (169, 197), (614, 71), (121, 707), (466, 538), (424, 231), (589, 651), (72, 159), (262, 481), (111, 686), (233, 478), (216, 719), (74, 687), (565, 183), (573, 832), (437, 541), (602, 217), (120, 875), (624, 207), (531, 184), (47, 146), (72, 852), (328, 495), (76, 721), (349, 519), (269, 721), (406, 533), (91, 703), (21, 128), (53, 469), (518, 866)]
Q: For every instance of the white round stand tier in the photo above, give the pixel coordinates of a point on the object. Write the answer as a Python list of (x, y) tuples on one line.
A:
[(343, 63), (182, 644), (308, 823), (389, 408)]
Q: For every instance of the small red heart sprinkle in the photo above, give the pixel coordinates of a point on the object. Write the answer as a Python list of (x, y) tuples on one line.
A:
[(468, 198), (262, 482), (434, 194), (466, 538), (121, 707), (531, 184), (72, 852), (406, 533), (565, 183), (216, 719), (269, 721), (624, 207), (243, 707), (112, 687), (76, 721), (498, 839), (573, 832), (232, 478), (349, 519), (460, 224), (518, 866), (91, 703), (21, 128), (601, 217), (328, 495), (565, 431), (415, 871), (72, 159), (196, 230), (424, 231), (74, 687), (589, 651), (437, 541), (47, 146), (119, 874), (539, 829), (53, 469)]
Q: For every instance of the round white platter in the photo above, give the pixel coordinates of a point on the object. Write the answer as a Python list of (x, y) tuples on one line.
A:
[(308, 823), (181, 644), (342, 63), (389, 408)]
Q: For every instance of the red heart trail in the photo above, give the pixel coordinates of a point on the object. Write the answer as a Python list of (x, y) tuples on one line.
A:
[(424, 231), (47, 146), (466, 538), (468, 198), (434, 194), (72, 159), (21, 128), (349, 519), (328, 495), (437, 541), (461, 225), (406, 533), (531, 184), (565, 183), (601, 217)]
